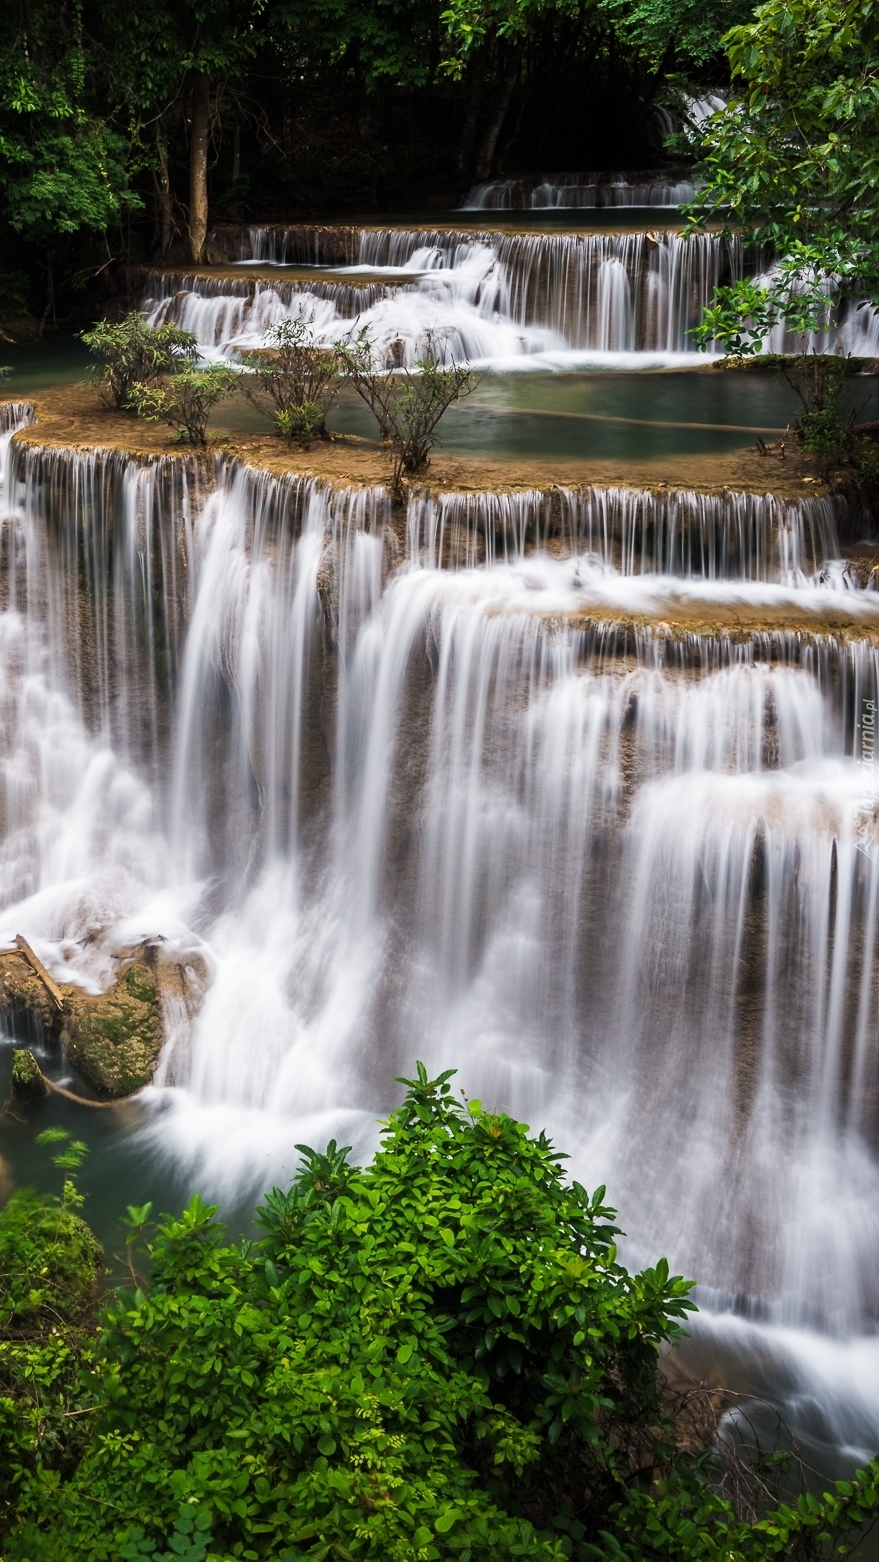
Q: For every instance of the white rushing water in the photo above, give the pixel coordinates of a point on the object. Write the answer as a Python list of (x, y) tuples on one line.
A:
[(499, 300), (451, 791), (502, 300), (579, 191)]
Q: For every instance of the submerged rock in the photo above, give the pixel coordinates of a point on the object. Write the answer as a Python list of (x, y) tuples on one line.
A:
[(114, 1040), (28, 1083)]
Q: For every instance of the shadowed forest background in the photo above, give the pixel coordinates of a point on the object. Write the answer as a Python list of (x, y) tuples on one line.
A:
[(125, 130)]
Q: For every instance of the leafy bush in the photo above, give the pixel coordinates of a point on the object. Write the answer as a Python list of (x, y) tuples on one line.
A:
[(49, 1267), (867, 457), (132, 353), (294, 381), (186, 401), (406, 403), (437, 1358), (821, 383)]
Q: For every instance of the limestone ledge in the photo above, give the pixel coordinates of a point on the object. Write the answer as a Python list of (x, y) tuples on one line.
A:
[(734, 625), (72, 417)]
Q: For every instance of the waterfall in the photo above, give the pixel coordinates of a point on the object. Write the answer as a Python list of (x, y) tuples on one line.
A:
[(498, 296), (494, 297), (223, 310), (852, 327), (463, 785), (578, 191), (94, 571), (632, 531), (13, 416)]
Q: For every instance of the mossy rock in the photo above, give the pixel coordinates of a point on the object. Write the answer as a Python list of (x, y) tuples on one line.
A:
[(114, 1040), (50, 1262), (25, 998), (28, 1083)]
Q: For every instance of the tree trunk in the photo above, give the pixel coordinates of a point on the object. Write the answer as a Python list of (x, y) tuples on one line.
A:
[(485, 155), (163, 192), (236, 154), (198, 168)]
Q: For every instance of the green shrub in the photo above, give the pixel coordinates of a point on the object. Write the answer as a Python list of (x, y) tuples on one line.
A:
[(294, 381), (406, 403), (186, 400), (867, 458), (50, 1263), (823, 433), (132, 353), (437, 1358)]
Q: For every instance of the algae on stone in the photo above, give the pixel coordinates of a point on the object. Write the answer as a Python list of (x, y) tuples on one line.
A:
[(28, 1083), (114, 1040)]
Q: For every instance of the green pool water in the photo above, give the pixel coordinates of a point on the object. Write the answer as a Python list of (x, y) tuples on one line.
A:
[(593, 414)]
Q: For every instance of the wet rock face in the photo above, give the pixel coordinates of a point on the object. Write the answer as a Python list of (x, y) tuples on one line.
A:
[(114, 1040)]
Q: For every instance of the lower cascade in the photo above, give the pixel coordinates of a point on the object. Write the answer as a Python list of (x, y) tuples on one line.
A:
[(484, 782)]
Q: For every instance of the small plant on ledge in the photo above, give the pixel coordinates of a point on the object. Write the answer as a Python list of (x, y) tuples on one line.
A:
[(740, 320), (294, 380), (186, 400), (133, 353), (406, 402)]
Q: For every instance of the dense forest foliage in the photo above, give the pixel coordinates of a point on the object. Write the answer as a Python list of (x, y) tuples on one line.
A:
[(124, 130), (436, 1358)]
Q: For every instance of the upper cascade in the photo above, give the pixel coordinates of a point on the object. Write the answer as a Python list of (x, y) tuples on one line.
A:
[(539, 192), (494, 296)]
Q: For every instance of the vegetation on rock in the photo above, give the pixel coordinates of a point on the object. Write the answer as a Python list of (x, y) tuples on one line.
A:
[(28, 1083), (114, 1040)]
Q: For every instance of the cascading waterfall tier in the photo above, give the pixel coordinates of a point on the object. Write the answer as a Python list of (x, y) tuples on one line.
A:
[(95, 572), (584, 191), (405, 802), (493, 296), (597, 293), (636, 531)]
